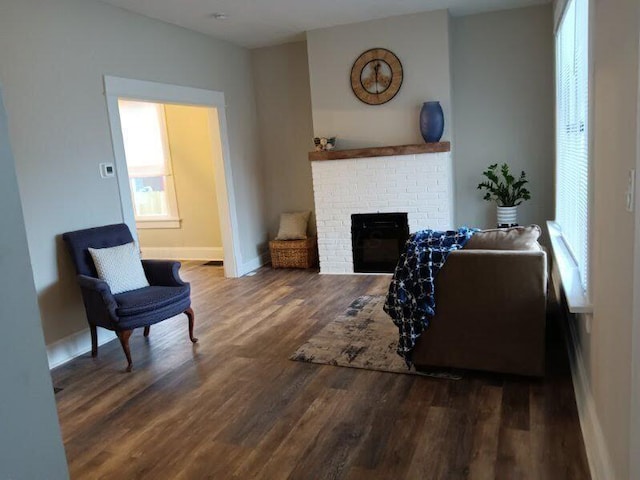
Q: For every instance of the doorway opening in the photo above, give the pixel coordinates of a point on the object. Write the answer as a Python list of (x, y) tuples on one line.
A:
[(173, 171), (169, 151)]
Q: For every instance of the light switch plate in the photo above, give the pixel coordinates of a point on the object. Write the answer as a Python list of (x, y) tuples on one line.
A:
[(107, 170)]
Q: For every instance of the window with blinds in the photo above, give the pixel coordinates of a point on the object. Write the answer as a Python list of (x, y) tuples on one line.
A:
[(572, 132), (144, 133)]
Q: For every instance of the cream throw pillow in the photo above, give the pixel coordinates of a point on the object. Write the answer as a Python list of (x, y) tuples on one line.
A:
[(514, 238), (120, 267), (293, 226)]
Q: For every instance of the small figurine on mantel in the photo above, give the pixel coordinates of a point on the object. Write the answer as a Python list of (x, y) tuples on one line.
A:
[(324, 143)]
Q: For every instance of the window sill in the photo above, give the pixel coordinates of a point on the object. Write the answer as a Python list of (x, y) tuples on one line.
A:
[(158, 224), (577, 299)]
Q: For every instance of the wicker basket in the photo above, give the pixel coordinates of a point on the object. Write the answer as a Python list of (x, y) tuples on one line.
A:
[(294, 253)]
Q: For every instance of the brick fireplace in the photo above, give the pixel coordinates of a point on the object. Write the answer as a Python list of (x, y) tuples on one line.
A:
[(416, 179)]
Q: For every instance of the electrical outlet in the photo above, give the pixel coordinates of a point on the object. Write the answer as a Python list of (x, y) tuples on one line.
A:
[(631, 188)]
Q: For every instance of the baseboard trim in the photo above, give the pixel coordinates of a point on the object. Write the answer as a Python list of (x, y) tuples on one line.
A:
[(74, 345), (595, 445), (254, 263), (183, 253)]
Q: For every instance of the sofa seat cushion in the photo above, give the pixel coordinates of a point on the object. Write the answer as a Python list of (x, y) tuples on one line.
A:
[(514, 238), (142, 300)]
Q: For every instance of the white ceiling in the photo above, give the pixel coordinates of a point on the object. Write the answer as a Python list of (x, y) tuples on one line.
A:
[(257, 23)]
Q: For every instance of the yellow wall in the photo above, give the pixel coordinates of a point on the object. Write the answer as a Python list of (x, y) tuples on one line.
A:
[(192, 160)]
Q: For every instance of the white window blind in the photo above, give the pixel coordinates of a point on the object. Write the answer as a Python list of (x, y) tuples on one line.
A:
[(572, 132), (144, 132), (145, 138)]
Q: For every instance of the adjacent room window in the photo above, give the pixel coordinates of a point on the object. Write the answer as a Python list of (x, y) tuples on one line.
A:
[(572, 132), (146, 148)]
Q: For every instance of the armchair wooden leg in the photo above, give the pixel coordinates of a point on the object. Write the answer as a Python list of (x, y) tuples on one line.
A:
[(191, 317), (124, 335), (146, 330), (94, 340)]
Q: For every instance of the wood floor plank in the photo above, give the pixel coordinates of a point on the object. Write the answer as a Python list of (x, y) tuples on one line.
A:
[(408, 426), (514, 455), (388, 400), (302, 437), (234, 406), (429, 456), (515, 404), (485, 435)]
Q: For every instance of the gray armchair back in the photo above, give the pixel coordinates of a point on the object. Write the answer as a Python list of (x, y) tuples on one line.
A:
[(80, 241)]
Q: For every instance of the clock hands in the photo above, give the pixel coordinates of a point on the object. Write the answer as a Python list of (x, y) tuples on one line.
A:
[(376, 68), (376, 78)]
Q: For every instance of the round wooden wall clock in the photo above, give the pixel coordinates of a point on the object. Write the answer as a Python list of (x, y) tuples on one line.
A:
[(376, 76)]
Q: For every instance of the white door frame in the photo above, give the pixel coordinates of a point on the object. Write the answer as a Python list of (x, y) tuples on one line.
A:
[(117, 87)]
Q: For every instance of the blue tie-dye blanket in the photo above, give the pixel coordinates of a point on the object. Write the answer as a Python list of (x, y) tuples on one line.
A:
[(411, 298)]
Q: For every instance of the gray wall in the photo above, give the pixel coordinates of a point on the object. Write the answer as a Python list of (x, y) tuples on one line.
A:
[(503, 108), (604, 339), (420, 41), (604, 343), (30, 443), (283, 97), (52, 61)]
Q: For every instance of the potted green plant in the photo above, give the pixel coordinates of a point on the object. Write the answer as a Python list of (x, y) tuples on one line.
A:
[(507, 191)]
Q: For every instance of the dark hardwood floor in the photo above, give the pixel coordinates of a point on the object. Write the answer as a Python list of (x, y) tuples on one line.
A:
[(234, 406)]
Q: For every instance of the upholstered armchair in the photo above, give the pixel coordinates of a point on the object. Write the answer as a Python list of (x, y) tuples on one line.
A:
[(166, 296)]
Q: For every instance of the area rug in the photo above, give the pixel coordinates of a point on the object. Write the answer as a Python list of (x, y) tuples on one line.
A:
[(362, 337)]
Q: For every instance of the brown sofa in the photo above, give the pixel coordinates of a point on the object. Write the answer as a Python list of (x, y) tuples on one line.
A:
[(490, 308)]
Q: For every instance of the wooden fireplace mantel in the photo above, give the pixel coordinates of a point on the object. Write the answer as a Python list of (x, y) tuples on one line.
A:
[(381, 151)]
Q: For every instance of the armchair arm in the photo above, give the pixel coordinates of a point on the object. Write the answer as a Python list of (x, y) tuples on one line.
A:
[(94, 284), (99, 302), (163, 272)]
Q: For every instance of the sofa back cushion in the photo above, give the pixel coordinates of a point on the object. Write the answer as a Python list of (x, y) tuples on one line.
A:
[(514, 238)]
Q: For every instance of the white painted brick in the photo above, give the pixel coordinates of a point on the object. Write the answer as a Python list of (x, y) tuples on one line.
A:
[(417, 184), (332, 223)]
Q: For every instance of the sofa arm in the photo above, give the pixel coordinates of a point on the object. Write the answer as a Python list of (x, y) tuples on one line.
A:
[(498, 273), (163, 272), (99, 302), (502, 282), (490, 313)]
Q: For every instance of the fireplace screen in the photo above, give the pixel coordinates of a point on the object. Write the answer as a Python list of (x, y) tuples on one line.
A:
[(378, 240)]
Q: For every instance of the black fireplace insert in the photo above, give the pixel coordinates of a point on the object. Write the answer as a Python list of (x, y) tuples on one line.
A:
[(378, 240)]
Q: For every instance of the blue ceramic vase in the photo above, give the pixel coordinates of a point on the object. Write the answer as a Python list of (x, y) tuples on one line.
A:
[(431, 122)]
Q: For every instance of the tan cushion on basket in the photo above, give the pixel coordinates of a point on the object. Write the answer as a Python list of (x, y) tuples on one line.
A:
[(514, 238), (293, 226)]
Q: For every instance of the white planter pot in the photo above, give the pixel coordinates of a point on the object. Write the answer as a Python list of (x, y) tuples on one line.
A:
[(507, 216)]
